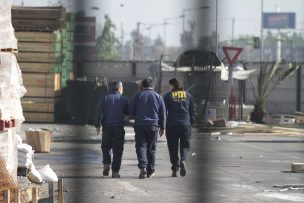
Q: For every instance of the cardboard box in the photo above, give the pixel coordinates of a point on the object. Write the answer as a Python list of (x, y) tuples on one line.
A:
[(39, 139)]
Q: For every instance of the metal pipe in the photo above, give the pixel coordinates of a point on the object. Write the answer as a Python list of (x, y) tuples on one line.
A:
[(262, 26), (216, 29)]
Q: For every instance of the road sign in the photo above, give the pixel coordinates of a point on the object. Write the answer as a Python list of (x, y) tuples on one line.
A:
[(279, 20), (232, 53)]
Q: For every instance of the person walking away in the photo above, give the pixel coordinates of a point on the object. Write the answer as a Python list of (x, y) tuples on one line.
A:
[(110, 114), (181, 115), (148, 109)]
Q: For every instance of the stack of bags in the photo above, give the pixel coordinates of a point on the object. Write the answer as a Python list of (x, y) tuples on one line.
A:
[(25, 156), (25, 160)]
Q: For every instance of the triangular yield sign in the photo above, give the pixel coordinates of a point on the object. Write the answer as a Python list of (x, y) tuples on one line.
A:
[(232, 53)]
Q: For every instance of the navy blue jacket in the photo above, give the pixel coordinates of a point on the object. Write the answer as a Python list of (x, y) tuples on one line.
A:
[(148, 108), (180, 108), (111, 110)]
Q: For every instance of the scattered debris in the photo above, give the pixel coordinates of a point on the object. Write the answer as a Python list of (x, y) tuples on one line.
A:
[(219, 123), (287, 121), (289, 187)]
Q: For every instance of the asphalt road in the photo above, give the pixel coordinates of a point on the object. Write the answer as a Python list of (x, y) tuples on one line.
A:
[(228, 168)]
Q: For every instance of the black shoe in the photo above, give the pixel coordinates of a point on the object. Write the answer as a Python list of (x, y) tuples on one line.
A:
[(142, 173), (106, 170), (174, 174), (115, 174), (183, 168), (150, 174)]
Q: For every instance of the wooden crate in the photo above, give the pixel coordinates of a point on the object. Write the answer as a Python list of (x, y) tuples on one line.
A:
[(49, 37), (36, 47), (38, 107), (41, 92), (39, 117), (34, 67), (38, 57), (42, 80)]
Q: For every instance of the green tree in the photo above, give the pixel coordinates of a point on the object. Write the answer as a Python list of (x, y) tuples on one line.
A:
[(106, 43)]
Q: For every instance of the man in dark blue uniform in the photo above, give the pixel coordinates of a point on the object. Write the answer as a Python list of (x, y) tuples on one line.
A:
[(148, 108), (181, 114), (110, 114)]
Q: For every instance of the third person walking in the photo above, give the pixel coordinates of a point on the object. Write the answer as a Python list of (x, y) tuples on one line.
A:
[(181, 115)]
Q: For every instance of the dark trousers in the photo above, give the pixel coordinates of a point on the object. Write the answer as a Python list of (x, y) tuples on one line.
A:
[(145, 144), (113, 138), (178, 136)]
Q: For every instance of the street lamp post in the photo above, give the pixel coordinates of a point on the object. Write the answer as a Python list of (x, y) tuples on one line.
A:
[(165, 37), (165, 23)]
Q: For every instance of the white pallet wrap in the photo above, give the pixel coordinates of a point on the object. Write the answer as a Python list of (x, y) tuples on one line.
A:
[(11, 88), (7, 33)]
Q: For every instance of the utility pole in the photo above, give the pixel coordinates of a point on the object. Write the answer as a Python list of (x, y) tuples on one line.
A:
[(165, 23), (136, 42), (279, 39), (165, 38), (122, 29), (262, 27), (233, 24)]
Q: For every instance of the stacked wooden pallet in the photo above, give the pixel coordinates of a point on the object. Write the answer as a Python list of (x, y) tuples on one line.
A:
[(38, 18), (44, 49), (39, 59)]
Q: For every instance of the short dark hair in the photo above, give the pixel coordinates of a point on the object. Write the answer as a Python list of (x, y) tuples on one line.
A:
[(147, 82), (116, 85), (177, 86)]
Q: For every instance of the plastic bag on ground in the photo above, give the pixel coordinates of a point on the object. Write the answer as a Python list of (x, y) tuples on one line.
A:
[(34, 175), (47, 174)]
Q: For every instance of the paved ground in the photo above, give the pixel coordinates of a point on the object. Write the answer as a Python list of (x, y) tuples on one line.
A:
[(234, 168)]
